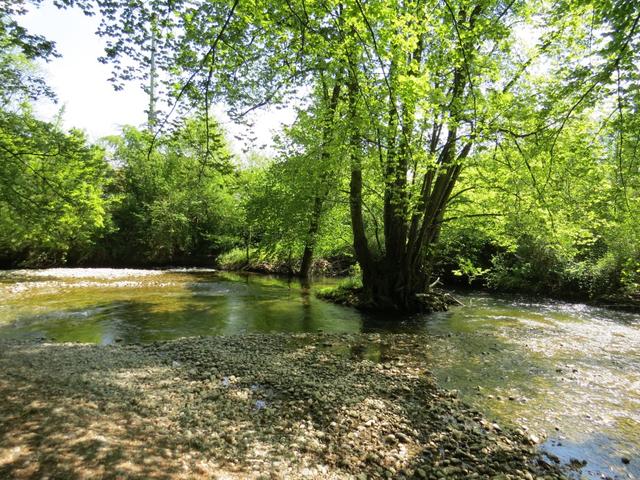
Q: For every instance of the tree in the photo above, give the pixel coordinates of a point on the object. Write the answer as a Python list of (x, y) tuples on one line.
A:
[(302, 186), (415, 77), (174, 193), (425, 88), (298, 205), (52, 186)]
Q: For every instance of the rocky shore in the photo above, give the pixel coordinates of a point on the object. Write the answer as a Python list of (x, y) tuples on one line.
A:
[(254, 406)]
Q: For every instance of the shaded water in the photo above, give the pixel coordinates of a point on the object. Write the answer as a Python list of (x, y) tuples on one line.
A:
[(567, 372)]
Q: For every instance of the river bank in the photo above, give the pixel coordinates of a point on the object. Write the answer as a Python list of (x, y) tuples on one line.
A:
[(345, 292), (256, 406)]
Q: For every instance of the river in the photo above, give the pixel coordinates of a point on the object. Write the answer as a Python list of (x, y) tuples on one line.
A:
[(568, 373)]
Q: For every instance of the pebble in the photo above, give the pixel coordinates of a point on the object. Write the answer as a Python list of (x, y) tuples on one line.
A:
[(371, 421)]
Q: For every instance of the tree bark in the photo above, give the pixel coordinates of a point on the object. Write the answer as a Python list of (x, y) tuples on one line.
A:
[(325, 178), (309, 247)]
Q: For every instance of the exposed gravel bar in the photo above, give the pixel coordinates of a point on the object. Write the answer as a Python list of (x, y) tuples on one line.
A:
[(254, 406)]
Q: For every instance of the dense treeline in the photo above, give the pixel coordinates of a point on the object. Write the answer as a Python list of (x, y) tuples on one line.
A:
[(482, 141), (132, 200), (173, 197), (138, 198), (51, 201)]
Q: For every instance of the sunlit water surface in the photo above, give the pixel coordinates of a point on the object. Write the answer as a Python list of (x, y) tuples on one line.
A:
[(567, 372)]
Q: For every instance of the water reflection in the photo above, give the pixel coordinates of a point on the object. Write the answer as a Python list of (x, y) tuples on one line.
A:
[(569, 372), (140, 307)]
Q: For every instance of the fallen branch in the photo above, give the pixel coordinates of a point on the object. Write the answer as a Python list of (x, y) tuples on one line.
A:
[(454, 299)]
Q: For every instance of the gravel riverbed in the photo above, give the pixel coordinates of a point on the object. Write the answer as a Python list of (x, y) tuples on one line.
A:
[(252, 406)]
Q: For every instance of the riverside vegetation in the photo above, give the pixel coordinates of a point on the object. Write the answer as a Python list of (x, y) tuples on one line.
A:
[(479, 141)]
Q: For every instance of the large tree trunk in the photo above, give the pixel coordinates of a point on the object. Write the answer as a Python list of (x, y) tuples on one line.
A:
[(326, 177), (360, 242), (397, 277), (379, 279), (312, 234)]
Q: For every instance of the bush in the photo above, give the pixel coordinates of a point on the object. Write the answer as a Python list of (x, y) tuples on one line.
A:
[(538, 267)]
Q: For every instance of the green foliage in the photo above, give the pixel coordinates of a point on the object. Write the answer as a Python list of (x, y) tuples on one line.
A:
[(460, 142), (293, 203), (346, 292), (19, 81), (52, 186), (435, 138), (175, 195), (236, 258), (564, 224), (256, 259), (280, 206)]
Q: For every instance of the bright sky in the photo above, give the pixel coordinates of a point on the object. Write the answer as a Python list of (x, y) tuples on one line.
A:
[(89, 100)]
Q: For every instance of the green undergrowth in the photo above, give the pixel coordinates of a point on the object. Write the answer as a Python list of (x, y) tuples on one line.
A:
[(347, 292), (265, 261), (350, 292)]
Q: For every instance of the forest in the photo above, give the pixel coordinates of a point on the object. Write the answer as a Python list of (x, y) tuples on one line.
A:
[(489, 143)]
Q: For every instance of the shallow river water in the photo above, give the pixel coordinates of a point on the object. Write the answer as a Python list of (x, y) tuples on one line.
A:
[(568, 373)]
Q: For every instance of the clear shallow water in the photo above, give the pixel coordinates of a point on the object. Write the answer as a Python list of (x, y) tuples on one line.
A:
[(567, 372), (104, 306)]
